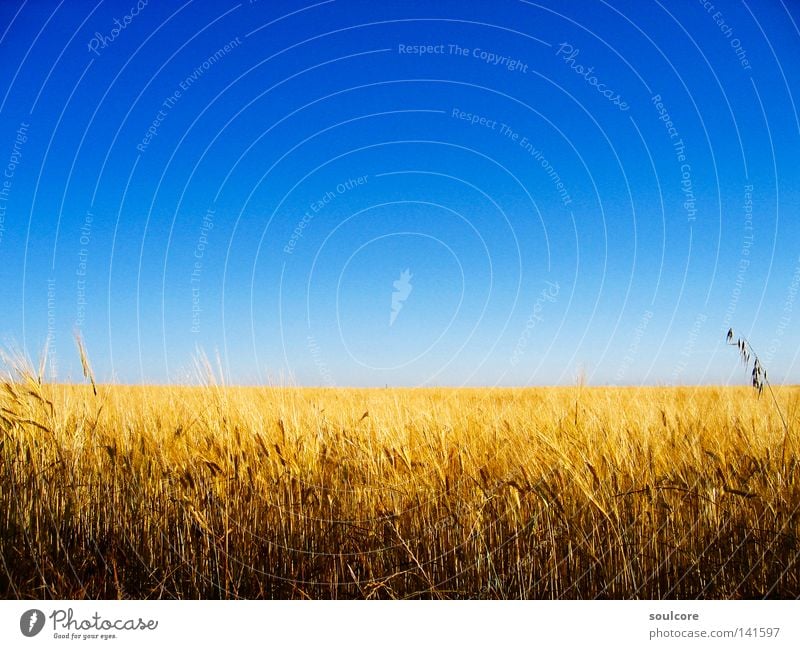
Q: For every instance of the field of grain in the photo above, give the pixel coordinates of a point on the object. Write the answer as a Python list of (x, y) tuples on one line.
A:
[(575, 492)]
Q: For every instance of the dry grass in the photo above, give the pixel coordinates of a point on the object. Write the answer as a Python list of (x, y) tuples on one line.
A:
[(540, 493)]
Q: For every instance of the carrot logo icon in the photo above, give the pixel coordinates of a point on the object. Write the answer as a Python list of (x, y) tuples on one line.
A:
[(402, 290), (31, 622)]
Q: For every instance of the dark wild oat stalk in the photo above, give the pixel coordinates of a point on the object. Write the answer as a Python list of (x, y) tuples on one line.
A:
[(758, 380)]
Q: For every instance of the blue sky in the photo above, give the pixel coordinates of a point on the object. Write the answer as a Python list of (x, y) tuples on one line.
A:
[(600, 187)]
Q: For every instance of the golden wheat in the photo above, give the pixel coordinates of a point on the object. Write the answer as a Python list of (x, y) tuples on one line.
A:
[(484, 493)]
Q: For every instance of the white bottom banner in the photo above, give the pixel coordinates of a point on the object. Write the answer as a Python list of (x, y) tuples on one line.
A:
[(399, 624)]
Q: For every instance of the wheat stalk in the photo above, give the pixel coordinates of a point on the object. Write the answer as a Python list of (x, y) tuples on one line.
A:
[(87, 368)]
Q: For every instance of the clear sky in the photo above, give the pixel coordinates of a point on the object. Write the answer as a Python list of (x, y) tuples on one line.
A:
[(402, 193)]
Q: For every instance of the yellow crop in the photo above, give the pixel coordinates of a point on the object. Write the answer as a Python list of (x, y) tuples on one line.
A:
[(332, 493)]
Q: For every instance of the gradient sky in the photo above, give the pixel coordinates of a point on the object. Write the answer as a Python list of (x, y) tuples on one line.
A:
[(251, 179)]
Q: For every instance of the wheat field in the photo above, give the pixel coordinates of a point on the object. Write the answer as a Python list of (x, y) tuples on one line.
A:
[(226, 492)]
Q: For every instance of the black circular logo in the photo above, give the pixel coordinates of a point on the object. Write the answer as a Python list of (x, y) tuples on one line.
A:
[(31, 622)]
